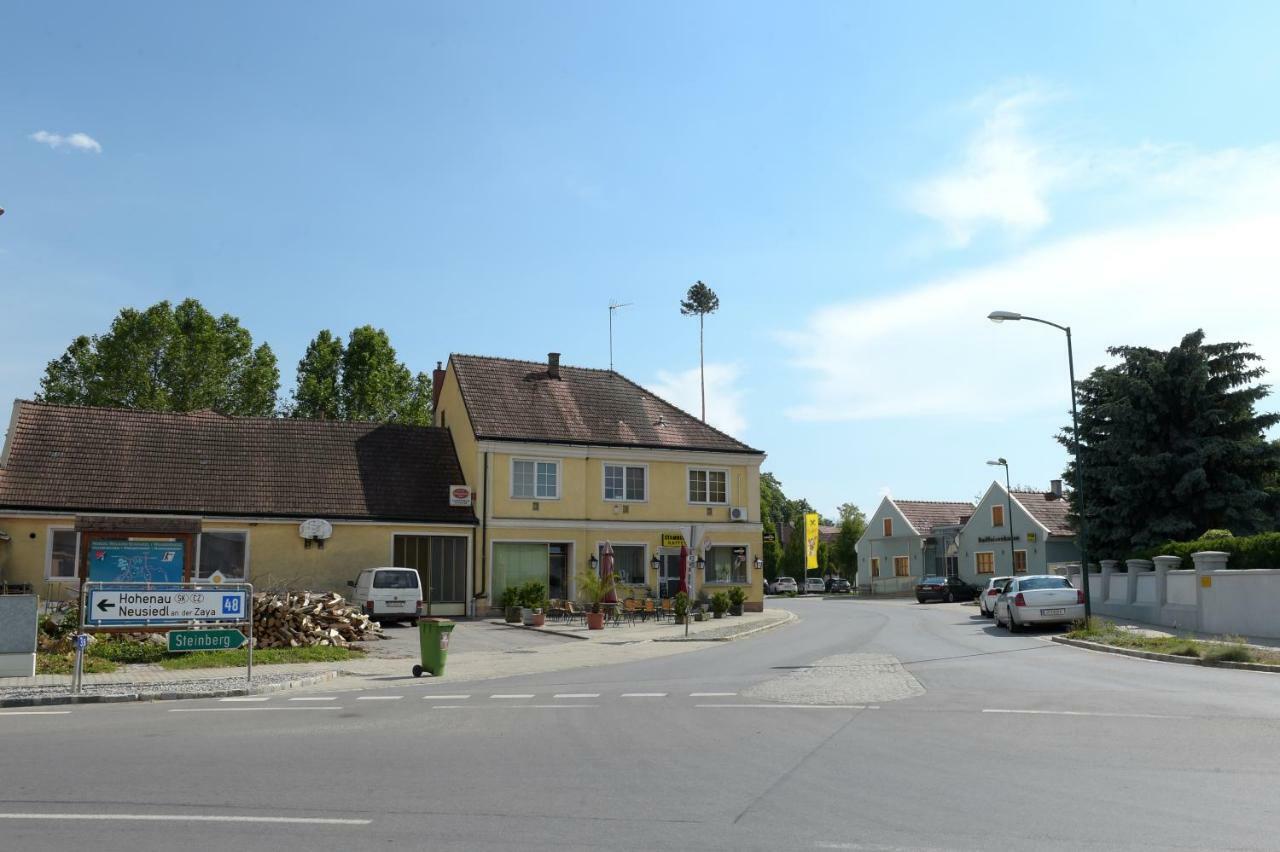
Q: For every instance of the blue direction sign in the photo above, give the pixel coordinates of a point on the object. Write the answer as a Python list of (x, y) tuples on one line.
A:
[(123, 607), (205, 640)]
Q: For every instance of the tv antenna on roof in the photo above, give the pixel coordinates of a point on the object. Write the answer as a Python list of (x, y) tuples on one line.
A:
[(613, 306)]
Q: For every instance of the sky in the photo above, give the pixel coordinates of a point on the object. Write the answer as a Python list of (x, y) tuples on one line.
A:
[(860, 183)]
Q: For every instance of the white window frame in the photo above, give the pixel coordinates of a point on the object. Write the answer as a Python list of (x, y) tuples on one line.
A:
[(688, 490), (535, 461), (725, 583), (195, 569), (604, 478), (998, 508), (640, 544), (48, 555), (895, 566), (978, 553)]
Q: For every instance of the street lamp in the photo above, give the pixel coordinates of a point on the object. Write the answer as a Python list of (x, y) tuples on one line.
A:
[(1001, 316), (1008, 493)]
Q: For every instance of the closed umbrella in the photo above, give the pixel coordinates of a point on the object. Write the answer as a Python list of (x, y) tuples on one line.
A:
[(684, 569), (606, 568)]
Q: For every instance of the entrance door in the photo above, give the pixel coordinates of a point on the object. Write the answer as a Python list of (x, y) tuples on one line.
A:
[(557, 571), (669, 582)]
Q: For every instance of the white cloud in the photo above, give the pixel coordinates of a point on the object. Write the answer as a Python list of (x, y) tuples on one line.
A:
[(1002, 180), (1207, 257), (78, 141), (724, 399)]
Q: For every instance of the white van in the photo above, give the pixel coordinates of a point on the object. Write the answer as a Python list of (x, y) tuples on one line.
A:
[(388, 594)]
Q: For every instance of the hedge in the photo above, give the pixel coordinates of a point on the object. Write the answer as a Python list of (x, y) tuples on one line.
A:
[(1246, 552)]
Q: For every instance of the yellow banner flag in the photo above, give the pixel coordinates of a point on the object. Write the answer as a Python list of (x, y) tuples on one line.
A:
[(811, 540)]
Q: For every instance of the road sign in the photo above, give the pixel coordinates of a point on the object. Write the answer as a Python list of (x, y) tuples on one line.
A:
[(107, 607), (205, 640), (82, 641)]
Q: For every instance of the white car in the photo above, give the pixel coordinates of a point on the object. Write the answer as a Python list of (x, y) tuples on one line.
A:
[(815, 585), (782, 585), (987, 600), (388, 594), (1038, 599)]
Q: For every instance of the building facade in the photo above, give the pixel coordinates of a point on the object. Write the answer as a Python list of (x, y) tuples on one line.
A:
[(1018, 533), (908, 539)]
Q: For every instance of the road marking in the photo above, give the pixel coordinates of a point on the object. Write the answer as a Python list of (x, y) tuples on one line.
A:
[(644, 695), (787, 706), (522, 695), (1083, 713), (379, 697), (712, 694), (445, 697), (320, 698), (248, 709), (576, 695), (511, 706), (192, 818), (35, 713), (253, 698)]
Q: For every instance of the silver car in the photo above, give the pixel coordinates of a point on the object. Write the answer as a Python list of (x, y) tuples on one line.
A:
[(1038, 599), (782, 585), (987, 600)]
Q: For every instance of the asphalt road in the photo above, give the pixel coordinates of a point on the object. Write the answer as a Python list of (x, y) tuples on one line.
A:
[(866, 725)]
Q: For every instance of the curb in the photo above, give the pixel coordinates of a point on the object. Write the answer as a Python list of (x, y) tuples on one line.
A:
[(540, 630), (161, 695), (1164, 658), (791, 616)]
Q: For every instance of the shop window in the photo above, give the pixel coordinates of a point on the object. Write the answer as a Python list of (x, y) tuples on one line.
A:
[(725, 564), (628, 563)]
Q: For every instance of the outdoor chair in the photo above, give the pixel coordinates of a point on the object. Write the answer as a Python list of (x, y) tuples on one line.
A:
[(631, 610), (555, 609), (649, 611), (668, 608), (571, 612)]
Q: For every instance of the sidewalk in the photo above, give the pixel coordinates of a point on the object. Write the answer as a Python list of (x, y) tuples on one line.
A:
[(1155, 630), (614, 644)]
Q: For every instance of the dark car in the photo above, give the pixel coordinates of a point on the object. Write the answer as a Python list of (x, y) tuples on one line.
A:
[(944, 589), (839, 585)]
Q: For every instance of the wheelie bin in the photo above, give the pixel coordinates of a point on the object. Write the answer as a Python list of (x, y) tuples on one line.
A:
[(433, 637)]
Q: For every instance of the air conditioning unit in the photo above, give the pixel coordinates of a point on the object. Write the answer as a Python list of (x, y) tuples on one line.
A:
[(738, 513)]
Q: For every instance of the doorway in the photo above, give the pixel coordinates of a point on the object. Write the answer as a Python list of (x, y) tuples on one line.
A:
[(669, 579)]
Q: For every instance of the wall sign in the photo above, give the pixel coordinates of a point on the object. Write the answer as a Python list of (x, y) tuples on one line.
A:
[(459, 495), (673, 540), (127, 560)]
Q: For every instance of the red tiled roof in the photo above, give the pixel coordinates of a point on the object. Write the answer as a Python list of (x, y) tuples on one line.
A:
[(1047, 509), (76, 459), (512, 400), (924, 515)]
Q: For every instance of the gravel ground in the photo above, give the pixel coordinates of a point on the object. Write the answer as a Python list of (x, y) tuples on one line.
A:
[(156, 690), (842, 679)]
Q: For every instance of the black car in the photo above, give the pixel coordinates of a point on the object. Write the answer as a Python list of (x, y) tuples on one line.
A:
[(945, 589), (838, 585)]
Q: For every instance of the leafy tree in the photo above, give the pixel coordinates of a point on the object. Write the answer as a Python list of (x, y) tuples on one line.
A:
[(1171, 444), (361, 380), (848, 511), (167, 358), (700, 301), (843, 554)]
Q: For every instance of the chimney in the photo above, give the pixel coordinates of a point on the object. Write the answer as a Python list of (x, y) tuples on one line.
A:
[(437, 382), (553, 364), (1055, 488)]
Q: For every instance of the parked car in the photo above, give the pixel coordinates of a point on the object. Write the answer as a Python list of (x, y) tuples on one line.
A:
[(945, 589), (839, 586), (814, 585), (783, 585), (388, 594), (1038, 599), (987, 600)]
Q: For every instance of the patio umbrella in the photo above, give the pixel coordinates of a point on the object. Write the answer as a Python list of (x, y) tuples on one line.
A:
[(606, 568), (684, 569)]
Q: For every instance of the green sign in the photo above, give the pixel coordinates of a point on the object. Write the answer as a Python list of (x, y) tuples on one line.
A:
[(205, 640)]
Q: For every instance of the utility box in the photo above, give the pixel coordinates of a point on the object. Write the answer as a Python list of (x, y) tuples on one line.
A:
[(18, 624)]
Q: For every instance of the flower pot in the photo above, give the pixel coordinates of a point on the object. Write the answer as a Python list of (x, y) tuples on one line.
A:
[(699, 616), (735, 609), (595, 621), (719, 615), (513, 615), (534, 618)]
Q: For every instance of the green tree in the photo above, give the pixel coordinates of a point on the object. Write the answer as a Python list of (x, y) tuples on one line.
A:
[(848, 511), (167, 358), (361, 380), (700, 301), (1171, 444), (843, 554)]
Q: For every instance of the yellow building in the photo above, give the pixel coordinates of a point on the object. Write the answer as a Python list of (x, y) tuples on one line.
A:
[(229, 496), (563, 459)]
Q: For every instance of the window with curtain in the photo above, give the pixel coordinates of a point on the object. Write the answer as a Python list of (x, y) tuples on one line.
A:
[(902, 566), (984, 563), (628, 563), (515, 564), (723, 565)]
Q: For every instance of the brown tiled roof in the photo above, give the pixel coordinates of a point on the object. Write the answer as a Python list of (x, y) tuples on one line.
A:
[(511, 400), (76, 459), (1048, 510), (924, 515)]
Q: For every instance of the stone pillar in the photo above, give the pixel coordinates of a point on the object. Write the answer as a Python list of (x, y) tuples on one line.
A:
[(1108, 568), (1137, 567), (1206, 562), (1164, 564)]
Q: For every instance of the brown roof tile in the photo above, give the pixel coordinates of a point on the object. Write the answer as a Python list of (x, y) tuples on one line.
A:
[(77, 459), (1047, 509), (924, 515), (512, 400)]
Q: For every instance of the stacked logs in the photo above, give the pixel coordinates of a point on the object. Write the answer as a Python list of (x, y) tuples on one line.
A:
[(297, 619)]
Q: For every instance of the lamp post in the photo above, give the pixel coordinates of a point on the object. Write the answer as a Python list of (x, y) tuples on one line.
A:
[(1008, 493), (1002, 316)]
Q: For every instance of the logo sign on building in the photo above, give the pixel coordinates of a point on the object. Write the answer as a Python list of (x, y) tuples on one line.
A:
[(673, 540), (123, 607), (133, 560), (811, 540), (459, 495)]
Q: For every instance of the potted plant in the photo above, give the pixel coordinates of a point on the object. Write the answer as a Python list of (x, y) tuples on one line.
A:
[(594, 590), (681, 608), (510, 603), (719, 604), (736, 598), (533, 598)]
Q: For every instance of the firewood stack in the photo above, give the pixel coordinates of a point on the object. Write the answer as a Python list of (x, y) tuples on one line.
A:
[(297, 619)]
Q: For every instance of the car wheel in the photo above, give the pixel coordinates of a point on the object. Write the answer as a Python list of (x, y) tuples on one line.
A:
[(1013, 625), (946, 596), (919, 599)]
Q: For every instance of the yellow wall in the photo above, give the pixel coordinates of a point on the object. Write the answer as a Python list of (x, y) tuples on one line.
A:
[(22, 557), (451, 413)]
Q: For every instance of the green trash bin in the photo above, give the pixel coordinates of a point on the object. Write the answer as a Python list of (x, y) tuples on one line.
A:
[(433, 636)]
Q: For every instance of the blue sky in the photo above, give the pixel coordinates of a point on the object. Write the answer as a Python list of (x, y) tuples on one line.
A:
[(861, 183)]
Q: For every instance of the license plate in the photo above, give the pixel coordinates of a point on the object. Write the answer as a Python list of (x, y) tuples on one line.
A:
[(394, 603), (1053, 612)]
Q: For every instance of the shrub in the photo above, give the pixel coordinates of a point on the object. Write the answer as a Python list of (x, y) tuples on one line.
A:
[(122, 650), (736, 595), (720, 603), (510, 597), (532, 594), (1245, 552), (681, 605)]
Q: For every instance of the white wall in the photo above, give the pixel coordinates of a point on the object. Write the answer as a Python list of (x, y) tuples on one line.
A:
[(1241, 602), (1146, 588), (1182, 588)]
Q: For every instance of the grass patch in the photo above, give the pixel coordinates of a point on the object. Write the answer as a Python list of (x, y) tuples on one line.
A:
[(261, 657), (121, 650), (66, 664), (1230, 649)]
